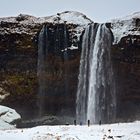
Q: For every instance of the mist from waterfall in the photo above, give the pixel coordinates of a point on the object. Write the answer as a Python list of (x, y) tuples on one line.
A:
[(96, 98)]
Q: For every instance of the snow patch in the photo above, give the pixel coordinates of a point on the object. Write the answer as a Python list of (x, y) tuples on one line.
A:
[(3, 94), (125, 26), (70, 17)]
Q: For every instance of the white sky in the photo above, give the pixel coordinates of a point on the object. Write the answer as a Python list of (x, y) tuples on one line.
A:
[(97, 10)]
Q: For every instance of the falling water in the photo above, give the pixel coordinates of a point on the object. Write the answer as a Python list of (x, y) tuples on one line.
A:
[(59, 42), (41, 68), (66, 68), (96, 99)]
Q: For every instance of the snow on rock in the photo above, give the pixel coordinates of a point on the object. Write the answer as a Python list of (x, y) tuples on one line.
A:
[(8, 117), (27, 24), (30, 25), (23, 19), (129, 25), (3, 94), (122, 131), (70, 17)]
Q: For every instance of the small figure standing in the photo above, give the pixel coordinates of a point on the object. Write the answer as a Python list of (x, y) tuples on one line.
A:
[(100, 122), (74, 122), (88, 123)]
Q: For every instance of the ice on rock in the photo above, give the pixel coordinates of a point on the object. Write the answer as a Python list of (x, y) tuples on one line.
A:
[(8, 117)]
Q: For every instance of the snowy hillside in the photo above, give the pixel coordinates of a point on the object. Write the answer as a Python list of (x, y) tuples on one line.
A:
[(70, 17), (129, 25), (30, 25), (122, 131)]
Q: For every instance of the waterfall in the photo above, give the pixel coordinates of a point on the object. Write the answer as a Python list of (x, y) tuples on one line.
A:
[(52, 45), (65, 55), (41, 68), (96, 100)]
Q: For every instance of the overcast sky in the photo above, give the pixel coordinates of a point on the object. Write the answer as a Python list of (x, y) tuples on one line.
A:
[(97, 10)]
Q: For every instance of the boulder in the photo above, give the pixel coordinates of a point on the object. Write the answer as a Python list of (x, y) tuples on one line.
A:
[(8, 117)]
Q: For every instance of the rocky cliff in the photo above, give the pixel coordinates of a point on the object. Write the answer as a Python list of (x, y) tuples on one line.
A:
[(126, 61), (19, 56)]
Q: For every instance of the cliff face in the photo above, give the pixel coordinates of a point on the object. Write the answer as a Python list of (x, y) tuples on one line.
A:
[(126, 61), (19, 56)]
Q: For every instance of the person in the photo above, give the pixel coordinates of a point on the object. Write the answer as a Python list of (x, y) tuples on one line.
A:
[(88, 123), (100, 122), (74, 122)]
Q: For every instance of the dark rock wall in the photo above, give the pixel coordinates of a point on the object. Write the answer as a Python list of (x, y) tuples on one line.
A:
[(126, 62), (18, 68), (18, 59), (61, 72)]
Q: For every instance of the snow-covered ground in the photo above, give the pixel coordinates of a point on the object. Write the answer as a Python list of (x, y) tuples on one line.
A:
[(121, 131)]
